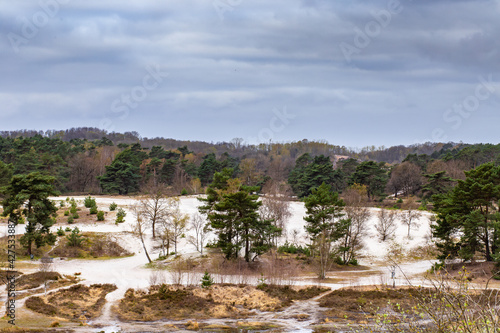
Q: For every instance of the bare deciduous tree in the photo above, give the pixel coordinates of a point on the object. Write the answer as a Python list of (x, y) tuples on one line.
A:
[(139, 227), (181, 270), (454, 168), (195, 185), (236, 143), (45, 268), (249, 171), (83, 172), (180, 180), (164, 236), (406, 177), (177, 222), (357, 230), (201, 230), (386, 224), (157, 278), (86, 167), (155, 206), (355, 197), (409, 217), (276, 205)]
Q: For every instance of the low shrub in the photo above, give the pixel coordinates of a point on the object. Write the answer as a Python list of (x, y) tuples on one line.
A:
[(93, 210), (38, 305), (35, 280), (293, 249), (89, 202), (206, 280), (75, 239), (339, 261), (120, 216)]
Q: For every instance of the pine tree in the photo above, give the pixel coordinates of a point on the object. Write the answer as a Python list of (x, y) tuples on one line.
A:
[(75, 239), (470, 211), (206, 280), (6, 171), (324, 223), (232, 210), (28, 196), (122, 176), (208, 167), (437, 183), (372, 175), (310, 173)]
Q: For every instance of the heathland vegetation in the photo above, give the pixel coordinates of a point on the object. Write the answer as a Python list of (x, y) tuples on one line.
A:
[(243, 195)]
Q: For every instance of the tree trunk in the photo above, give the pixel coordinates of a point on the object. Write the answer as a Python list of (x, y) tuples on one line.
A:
[(487, 244), (494, 246), (29, 247), (247, 246), (145, 250)]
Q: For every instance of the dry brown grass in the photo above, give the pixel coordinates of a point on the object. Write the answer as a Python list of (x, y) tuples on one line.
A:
[(34, 283), (163, 302), (71, 303), (355, 305), (5, 273), (21, 252), (248, 296), (477, 272), (219, 301), (17, 329), (34, 280), (288, 294), (424, 252)]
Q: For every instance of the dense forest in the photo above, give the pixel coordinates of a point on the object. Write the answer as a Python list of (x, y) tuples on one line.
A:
[(89, 160)]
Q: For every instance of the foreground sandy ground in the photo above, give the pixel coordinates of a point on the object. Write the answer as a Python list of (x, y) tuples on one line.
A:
[(130, 272)]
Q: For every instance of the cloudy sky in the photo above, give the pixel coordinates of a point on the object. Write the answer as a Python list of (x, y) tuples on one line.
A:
[(354, 73)]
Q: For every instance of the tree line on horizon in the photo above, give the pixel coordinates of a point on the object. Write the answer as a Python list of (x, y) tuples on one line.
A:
[(86, 164)]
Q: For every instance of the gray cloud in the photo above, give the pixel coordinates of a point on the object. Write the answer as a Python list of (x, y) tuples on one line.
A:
[(225, 77)]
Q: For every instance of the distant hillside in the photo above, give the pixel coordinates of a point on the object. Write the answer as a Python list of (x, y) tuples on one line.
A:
[(238, 148), (95, 161)]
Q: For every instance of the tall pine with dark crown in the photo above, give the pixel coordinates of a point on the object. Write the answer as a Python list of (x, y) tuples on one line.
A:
[(232, 210), (471, 213), (28, 196), (325, 223), (310, 173), (371, 174)]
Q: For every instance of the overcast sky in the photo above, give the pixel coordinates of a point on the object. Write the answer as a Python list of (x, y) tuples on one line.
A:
[(354, 73)]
